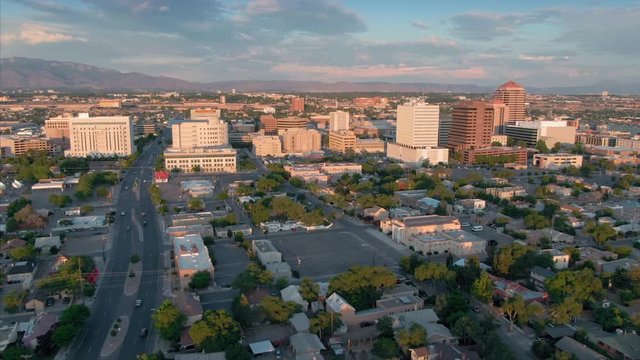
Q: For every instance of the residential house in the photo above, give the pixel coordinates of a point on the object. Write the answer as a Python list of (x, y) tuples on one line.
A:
[(403, 212), (387, 305), (443, 352), (300, 322), (624, 346), (578, 349), (470, 206), (575, 222), (507, 289), (46, 243), (560, 259), (189, 306), (506, 192), (539, 275), (595, 256), (5, 249), (427, 318), (22, 272), (292, 293), (611, 266), (306, 346), (280, 270), (375, 213), (38, 328)]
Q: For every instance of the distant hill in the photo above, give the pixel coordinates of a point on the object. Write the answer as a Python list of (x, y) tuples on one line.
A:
[(26, 73)]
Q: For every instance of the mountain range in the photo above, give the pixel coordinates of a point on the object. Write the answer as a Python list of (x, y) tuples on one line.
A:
[(28, 73)]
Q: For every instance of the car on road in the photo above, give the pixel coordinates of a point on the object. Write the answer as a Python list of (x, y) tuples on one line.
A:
[(138, 302), (66, 300), (278, 354), (144, 223), (475, 308), (465, 224), (128, 228), (477, 228), (49, 301), (126, 188), (123, 213), (144, 332)]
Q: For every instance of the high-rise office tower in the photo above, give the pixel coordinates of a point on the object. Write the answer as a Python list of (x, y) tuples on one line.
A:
[(205, 129), (512, 95), (500, 116), (417, 134), (472, 126), (338, 120)]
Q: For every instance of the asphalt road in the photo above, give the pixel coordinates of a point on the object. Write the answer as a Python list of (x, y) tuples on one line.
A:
[(146, 241)]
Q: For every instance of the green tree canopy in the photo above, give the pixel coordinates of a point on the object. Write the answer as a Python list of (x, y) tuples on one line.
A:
[(217, 331), (252, 277), (361, 285), (309, 289), (277, 310), (200, 280), (414, 336), (169, 320), (385, 348), (581, 285), (482, 288)]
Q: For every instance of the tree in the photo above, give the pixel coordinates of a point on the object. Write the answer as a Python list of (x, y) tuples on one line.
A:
[(60, 200), (361, 285), (17, 352), (434, 271), (506, 257), (217, 331), (414, 336), (496, 143), (251, 278), (85, 209), (17, 205), (102, 192), (26, 252), (611, 318), (324, 323), (237, 352), (409, 264), (278, 310), (296, 181), (168, 320), (157, 356), (516, 309), (385, 327), (482, 288), (581, 285), (385, 348), (536, 221), (601, 233), (241, 310), (13, 301), (196, 204), (451, 306), (563, 312), (200, 280), (309, 289), (541, 146), (71, 322)]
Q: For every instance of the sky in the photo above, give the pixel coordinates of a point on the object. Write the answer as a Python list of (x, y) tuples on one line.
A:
[(538, 43)]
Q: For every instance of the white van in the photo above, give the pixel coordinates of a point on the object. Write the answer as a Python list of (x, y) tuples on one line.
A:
[(477, 228)]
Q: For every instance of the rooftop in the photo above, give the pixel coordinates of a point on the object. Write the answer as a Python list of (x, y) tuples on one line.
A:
[(427, 220), (191, 253), (578, 349), (264, 246), (511, 85)]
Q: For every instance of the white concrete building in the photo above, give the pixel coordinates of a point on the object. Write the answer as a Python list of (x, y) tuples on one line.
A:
[(206, 160), (556, 161), (205, 129), (191, 256), (456, 242), (417, 134), (100, 136), (339, 120), (266, 252)]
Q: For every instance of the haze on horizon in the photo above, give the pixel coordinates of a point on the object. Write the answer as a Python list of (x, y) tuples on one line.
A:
[(542, 43)]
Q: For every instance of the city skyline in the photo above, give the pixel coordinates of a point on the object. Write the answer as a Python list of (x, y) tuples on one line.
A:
[(542, 44)]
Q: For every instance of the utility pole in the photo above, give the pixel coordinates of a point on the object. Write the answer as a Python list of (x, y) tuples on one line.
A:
[(81, 279)]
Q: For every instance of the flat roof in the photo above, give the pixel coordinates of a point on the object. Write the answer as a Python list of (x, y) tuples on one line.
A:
[(428, 220), (191, 253)]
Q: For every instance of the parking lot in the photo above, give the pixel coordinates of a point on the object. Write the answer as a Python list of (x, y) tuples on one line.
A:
[(324, 254), (231, 261)]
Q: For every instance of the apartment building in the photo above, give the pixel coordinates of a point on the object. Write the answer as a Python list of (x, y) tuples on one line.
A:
[(266, 145), (100, 136), (556, 161), (206, 160), (338, 120), (297, 104), (191, 256), (296, 140), (268, 123), (344, 140)]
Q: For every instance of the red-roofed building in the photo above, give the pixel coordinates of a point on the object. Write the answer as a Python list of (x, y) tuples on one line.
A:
[(161, 177)]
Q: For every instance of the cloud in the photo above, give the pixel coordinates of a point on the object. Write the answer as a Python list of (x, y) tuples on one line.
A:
[(488, 26), (603, 30), (154, 59), (311, 16), (378, 71), (541, 58), (419, 25), (35, 34)]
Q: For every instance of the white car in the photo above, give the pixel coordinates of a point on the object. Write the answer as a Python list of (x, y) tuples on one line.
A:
[(465, 224), (138, 302), (477, 228)]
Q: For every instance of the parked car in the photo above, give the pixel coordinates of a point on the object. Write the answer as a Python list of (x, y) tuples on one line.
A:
[(465, 224), (123, 213), (477, 228), (144, 332), (49, 301), (128, 228), (66, 300), (138, 302)]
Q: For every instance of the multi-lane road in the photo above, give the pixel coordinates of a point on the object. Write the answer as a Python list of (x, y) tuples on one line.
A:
[(144, 240)]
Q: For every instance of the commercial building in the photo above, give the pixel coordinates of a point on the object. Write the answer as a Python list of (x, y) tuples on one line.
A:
[(502, 139), (266, 145), (513, 96), (495, 154), (205, 129), (443, 130), (268, 123), (500, 116), (266, 252), (403, 229), (456, 242), (100, 136), (556, 161), (296, 140), (11, 146), (551, 132), (472, 126), (343, 140), (417, 134), (297, 104), (595, 139), (291, 122), (146, 128), (338, 120), (506, 192), (206, 160), (57, 128), (191, 256), (110, 103), (322, 172)]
